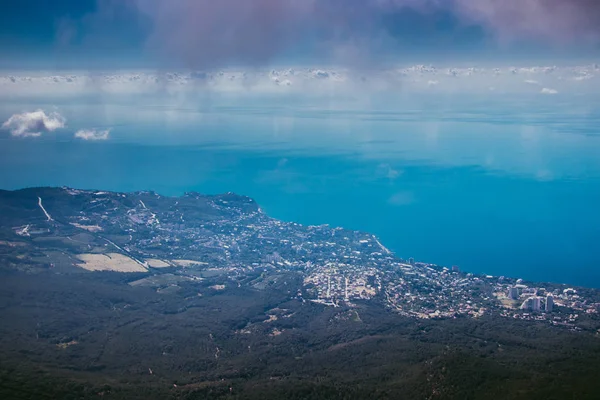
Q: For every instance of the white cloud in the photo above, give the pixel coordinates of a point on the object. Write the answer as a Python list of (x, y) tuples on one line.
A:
[(416, 78), (549, 91), (92, 134), (385, 170), (33, 124)]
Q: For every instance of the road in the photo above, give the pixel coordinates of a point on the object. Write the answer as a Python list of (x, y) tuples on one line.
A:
[(44, 210)]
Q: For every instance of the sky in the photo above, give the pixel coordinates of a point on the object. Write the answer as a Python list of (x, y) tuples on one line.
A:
[(207, 34)]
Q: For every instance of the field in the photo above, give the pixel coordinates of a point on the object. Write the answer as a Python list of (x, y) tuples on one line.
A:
[(188, 263), (109, 262), (89, 228), (154, 263)]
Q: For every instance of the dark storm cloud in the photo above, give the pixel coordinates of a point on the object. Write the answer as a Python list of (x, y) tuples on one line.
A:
[(214, 33), (208, 32), (558, 21)]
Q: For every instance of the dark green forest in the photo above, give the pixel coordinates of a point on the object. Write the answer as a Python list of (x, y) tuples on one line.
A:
[(89, 336)]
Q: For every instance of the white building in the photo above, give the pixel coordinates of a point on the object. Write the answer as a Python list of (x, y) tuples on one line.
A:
[(532, 303)]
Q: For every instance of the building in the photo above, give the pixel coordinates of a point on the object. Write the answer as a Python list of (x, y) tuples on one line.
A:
[(513, 293), (537, 304), (273, 258), (532, 303), (549, 303)]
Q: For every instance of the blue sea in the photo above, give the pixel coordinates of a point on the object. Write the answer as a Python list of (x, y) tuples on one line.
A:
[(502, 186)]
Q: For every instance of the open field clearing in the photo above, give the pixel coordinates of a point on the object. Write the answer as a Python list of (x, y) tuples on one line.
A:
[(188, 263), (89, 228), (155, 263), (109, 262)]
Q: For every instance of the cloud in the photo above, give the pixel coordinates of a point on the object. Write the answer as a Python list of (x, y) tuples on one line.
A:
[(549, 91), (33, 124), (330, 81), (92, 134), (386, 171), (208, 33), (557, 21), (402, 199), (215, 33)]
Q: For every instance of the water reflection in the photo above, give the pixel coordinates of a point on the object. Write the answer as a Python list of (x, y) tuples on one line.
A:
[(504, 186)]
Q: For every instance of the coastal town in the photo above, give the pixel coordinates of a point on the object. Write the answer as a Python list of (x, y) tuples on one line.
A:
[(229, 241)]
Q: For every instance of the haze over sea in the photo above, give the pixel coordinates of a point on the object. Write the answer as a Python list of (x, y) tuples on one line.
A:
[(502, 185)]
